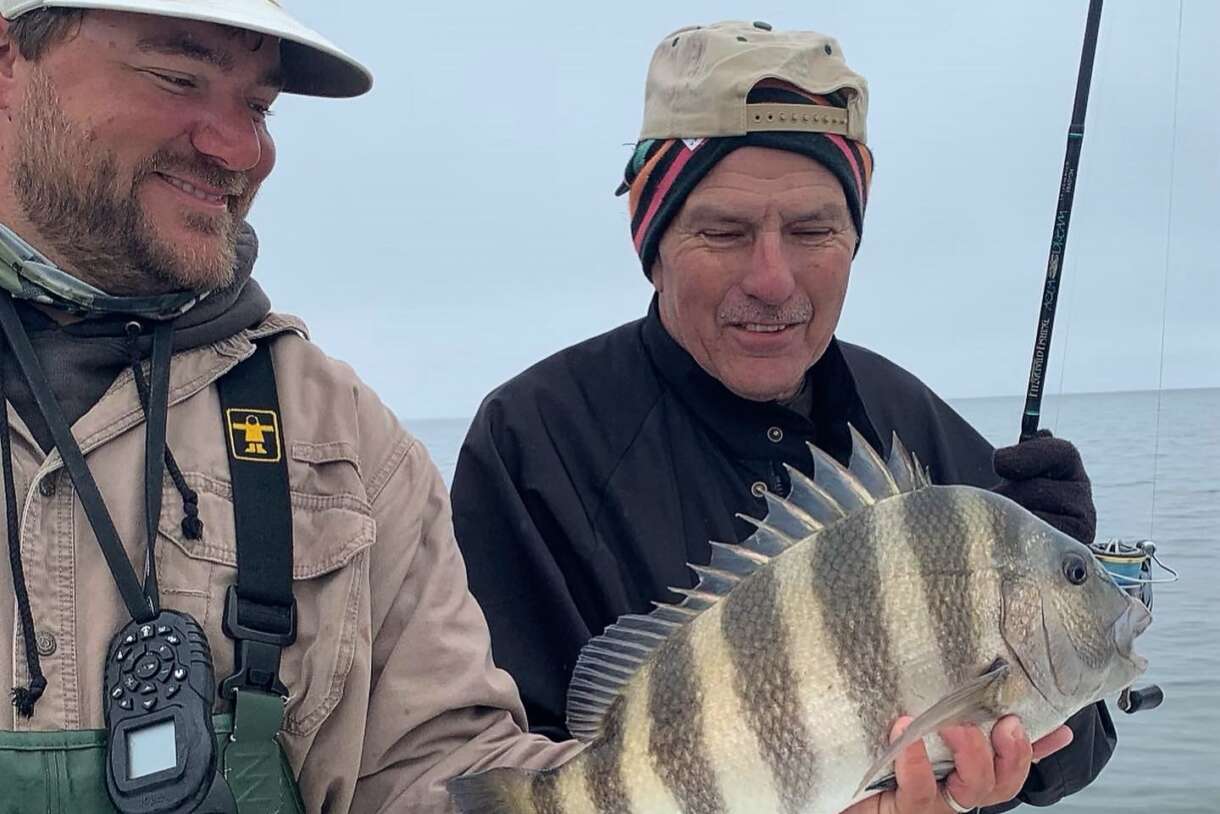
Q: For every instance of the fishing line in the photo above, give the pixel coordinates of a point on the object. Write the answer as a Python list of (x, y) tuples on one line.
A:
[(1173, 156)]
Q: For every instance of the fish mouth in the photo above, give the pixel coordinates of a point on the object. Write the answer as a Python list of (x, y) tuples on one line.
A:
[(1133, 621)]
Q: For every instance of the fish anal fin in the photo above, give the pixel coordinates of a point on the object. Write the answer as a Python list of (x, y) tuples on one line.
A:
[(494, 791), (970, 703)]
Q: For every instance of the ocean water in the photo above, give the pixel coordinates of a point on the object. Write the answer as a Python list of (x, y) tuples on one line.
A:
[(1154, 460)]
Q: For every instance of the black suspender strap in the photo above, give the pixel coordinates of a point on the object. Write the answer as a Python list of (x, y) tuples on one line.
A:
[(260, 612)]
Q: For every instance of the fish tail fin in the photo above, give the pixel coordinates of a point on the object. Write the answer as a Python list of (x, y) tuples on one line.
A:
[(503, 791)]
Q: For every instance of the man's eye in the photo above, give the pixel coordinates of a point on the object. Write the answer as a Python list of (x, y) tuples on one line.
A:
[(184, 82), (261, 110), (721, 235)]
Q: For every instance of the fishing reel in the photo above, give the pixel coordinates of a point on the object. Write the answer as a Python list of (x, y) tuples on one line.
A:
[(1129, 564)]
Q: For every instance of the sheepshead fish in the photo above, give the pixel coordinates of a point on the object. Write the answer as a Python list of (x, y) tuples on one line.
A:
[(866, 594)]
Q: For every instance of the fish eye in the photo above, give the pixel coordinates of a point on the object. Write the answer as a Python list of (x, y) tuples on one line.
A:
[(1075, 569)]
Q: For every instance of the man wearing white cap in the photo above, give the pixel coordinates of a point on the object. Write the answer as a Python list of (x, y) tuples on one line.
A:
[(233, 580)]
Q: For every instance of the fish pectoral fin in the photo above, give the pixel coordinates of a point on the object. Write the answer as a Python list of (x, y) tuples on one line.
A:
[(969, 703), (940, 771)]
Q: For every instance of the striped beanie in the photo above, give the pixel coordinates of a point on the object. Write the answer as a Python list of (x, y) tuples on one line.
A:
[(662, 172)]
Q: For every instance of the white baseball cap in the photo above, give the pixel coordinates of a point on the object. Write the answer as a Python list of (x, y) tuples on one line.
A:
[(312, 65), (701, 76)]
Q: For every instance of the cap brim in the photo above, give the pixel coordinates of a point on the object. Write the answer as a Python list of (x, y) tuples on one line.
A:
[(313, 66)]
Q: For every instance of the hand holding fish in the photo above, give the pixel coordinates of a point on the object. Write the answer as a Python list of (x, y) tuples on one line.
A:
[(984, 773)]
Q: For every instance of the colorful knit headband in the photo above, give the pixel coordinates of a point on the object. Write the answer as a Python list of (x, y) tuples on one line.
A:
[(662, 172)]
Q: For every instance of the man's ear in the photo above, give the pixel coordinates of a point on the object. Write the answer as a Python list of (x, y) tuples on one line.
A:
[(8, 59), (656, 275)]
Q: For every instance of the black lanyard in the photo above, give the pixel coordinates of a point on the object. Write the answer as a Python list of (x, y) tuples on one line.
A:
[(143, 602)]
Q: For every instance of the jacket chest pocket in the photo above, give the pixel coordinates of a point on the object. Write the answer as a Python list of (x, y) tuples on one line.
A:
[(332, 530)]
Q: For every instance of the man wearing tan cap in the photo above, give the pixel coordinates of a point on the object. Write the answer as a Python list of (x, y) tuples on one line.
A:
[(232, 583), (588, 482)]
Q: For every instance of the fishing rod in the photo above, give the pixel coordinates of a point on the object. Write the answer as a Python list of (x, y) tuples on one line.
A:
[(1129, 564), (1059, 232)]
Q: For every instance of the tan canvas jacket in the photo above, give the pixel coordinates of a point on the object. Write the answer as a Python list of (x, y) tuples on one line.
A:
[(392, 687)]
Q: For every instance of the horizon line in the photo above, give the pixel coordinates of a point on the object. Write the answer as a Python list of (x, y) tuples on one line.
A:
[(406, 419)]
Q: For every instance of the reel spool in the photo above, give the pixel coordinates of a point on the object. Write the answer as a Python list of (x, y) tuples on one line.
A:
[(1129, 564)]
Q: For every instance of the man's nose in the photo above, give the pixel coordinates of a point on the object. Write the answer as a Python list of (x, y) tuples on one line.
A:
[(770, 276), (230, 137)]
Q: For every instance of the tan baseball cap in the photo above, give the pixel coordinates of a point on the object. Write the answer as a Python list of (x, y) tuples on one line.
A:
[(700, 77), (312, 65)]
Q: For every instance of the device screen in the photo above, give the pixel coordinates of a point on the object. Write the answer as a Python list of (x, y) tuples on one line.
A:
[(151, 749)]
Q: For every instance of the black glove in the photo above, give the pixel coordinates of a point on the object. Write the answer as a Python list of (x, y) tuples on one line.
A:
[(1047, 477)]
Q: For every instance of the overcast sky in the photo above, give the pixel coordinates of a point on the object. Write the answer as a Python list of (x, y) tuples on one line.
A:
[(458, 224)]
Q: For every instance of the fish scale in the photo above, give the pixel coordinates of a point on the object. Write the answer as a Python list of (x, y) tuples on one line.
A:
[(866, 594)]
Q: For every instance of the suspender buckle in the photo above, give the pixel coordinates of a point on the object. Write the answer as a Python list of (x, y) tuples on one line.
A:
[(257, 656)]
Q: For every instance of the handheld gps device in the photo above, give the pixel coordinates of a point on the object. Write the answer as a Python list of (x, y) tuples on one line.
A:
[(161, 747)]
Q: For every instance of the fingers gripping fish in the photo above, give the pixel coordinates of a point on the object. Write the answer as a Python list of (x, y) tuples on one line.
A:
[(866, 594)]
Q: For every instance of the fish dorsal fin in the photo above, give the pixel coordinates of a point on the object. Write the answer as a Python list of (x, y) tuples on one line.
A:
[(767, 539), (904, 467), (844, 487), (900, 466), (922, 476), (869, 469), (813, 499), (608, 662)]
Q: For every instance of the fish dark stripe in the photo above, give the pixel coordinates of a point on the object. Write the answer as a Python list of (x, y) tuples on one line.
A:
[(676, 738), (940, 537), (544, 794), (849, 589), (767, 687), (603, 773)]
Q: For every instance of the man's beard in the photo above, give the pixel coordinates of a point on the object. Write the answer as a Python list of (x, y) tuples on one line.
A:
[(70, 191)]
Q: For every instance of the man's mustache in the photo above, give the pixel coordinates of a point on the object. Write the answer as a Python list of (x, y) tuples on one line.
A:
[(228, 182), (761, 313)]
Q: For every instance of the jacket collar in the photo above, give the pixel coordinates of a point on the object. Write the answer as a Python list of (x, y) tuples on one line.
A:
[(748, 428), (192, 371)]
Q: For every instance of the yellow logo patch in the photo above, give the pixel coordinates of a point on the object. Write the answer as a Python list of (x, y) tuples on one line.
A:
[(254, 435)]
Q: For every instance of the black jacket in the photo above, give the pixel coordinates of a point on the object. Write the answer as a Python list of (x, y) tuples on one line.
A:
[(588, 482)]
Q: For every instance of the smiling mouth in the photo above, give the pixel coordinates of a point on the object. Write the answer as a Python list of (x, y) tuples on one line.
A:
[(212, 198), (764, 328)]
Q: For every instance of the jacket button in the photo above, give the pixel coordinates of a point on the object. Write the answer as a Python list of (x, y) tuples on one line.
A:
[(758, 489), (775, 435), (45, 642), (46, 486)]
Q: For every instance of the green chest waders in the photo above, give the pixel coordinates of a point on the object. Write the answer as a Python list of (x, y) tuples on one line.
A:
[(55, 772), (65, 773)]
